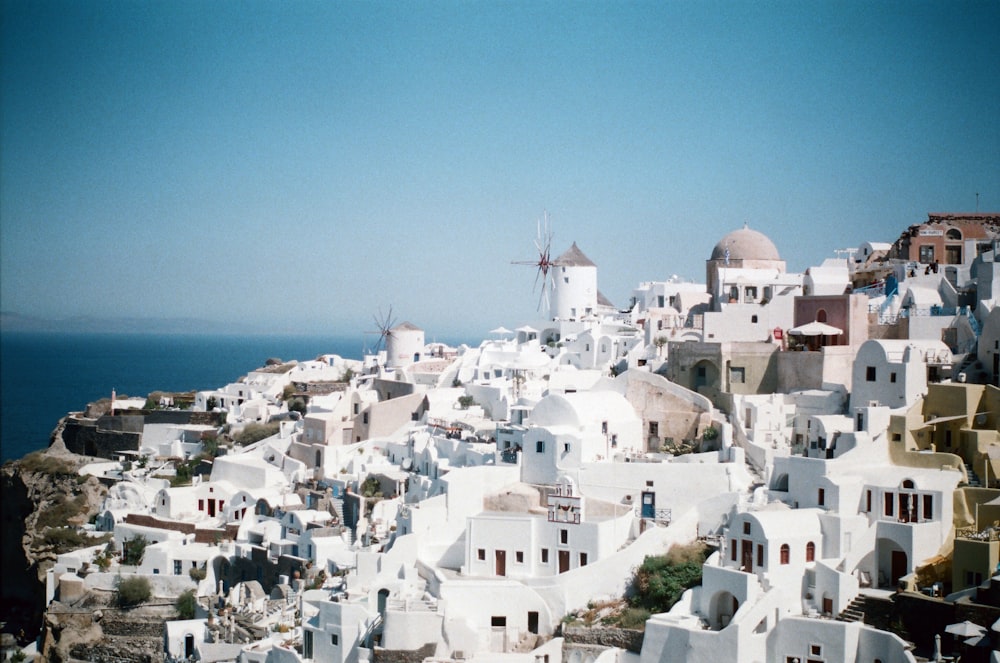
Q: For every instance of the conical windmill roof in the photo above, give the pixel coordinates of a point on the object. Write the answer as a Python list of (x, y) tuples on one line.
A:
[(573, 257)]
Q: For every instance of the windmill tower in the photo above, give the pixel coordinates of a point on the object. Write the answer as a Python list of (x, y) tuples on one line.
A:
[(383, 329), (543, 263), (574, 292)]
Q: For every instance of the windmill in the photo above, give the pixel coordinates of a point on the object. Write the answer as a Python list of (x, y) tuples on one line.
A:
[(543, 263), (383, 327)]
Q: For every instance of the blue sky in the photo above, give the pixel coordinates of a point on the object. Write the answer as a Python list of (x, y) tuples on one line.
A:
[(298, 165)]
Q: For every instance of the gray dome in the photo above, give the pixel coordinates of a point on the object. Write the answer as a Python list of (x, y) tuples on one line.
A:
[(745, 244)]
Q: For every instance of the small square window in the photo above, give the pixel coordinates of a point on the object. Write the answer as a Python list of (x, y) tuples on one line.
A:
[(481, 554), (746, 528), (753, 319), (540, 446), (815, 650), (519, 556)]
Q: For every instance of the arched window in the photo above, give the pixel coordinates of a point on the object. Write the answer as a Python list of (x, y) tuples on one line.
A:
[(785, 550), (810, 551), (954, 233), (821, 315), (908, 484)]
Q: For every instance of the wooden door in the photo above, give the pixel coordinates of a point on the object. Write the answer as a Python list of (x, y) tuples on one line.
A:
[(747, 551), (501, 562), (563, 561)]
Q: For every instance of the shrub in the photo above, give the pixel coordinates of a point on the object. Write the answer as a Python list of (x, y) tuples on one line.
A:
[(43, 463), (659, 582), (255, 433), (297, 405), (133, 590), (61, 511), (710, 433), (186, 605), (64, 539), (287, 392), (347, 375), (197, 574), (371, 488), (633, 618), (465, 401), (135, 548)]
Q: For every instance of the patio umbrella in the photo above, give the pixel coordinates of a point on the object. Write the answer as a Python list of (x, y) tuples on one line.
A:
[(965, 629), (503, 331), (815, 329)]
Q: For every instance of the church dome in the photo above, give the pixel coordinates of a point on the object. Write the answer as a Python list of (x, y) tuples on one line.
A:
[(745, 244)]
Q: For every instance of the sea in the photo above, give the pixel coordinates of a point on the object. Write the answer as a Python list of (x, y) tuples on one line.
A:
[(45, 375)]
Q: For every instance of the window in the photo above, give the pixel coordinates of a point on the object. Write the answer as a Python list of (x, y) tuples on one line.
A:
[(566, 447), (540, 446), (545, 555), (760, 555), (821, 497), (364, 418), (177, 567), (737, 375), (892, 377), (927, 254), (815, 650), (654, 429), (870, 374), (889, 504), (519, 556), (481, 554), (334, 639), (604, 428), (732, 549), (810, 551), (564, 536), (498, 622), (753, 319), (785, 550), (201, 505), (928, 507), (954, 233), (868, 501), (746, 528), (583, 559)]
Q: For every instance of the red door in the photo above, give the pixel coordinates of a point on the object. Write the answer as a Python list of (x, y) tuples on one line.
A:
[(747, 551), (501, 562), (563, 561)]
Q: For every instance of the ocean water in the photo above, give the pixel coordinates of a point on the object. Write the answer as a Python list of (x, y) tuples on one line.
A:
[(44, 376)]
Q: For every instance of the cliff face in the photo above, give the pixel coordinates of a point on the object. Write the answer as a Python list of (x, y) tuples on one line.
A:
[(42, 500)]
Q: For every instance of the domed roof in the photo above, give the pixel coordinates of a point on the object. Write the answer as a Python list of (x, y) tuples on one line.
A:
[(745, 244)]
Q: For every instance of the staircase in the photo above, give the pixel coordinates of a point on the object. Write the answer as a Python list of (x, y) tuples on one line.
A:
[(855, 612), (974, 481)]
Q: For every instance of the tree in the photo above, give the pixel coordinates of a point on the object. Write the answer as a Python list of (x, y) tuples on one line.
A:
[(186, 605), (659, 582), (211, 403), (465, 401), (132, 591)]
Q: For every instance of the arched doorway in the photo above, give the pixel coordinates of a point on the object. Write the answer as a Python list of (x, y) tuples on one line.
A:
[(723, 606), (704, 374)]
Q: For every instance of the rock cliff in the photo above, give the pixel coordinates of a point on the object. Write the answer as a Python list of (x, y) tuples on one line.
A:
[(43, 501)]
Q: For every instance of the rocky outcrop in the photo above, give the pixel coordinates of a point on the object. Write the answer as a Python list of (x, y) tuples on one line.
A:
[(43, 500)]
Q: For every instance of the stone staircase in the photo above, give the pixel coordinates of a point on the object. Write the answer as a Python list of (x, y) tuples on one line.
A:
[(974, 481), (855, 611)]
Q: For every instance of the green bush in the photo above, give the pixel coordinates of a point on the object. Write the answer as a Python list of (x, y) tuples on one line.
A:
[(186, 605), (465, 401), (710, 433), (64, 539), (133, 590), (255, 433), (659, 582), (632, 618), (61, 511), (197, 574), (135, 548)]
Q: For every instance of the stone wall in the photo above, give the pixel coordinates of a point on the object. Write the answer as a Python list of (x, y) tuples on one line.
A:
[(85, 438), (604, 637), (403, 655)]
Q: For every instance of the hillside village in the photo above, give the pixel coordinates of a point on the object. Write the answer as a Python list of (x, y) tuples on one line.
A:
[(829, 437)]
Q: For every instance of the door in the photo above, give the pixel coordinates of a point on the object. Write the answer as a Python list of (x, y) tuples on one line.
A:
[(563, 561), (747, 551), (532, 622), (501, 562), (648, 504), (898, 566)]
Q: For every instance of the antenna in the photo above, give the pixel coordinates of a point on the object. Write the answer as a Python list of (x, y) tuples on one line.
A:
[(543, 263)]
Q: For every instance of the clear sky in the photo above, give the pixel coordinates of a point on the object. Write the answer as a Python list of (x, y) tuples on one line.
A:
[(298, 165)]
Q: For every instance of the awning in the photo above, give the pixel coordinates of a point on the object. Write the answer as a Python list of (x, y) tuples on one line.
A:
[(815, 329)]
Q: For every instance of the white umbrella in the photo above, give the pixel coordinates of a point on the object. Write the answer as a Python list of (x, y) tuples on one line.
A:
[(815, 329), (965, 629), (501, 330), (527, 329)]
